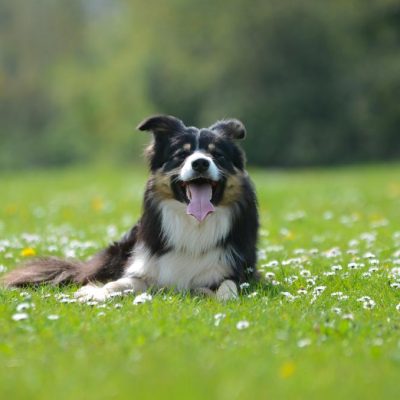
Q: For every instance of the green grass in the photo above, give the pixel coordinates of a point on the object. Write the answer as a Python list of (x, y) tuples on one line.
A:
[(171, 347)]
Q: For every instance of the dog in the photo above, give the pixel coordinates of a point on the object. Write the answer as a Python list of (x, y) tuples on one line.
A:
[(199, 227)]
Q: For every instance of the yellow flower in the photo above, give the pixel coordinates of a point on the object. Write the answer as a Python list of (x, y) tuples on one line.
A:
[(287, 369), (394, 189), (97, 204), (11, 209), (28, 252)]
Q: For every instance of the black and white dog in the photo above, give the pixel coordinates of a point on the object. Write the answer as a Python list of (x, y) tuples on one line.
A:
[(198, 230)]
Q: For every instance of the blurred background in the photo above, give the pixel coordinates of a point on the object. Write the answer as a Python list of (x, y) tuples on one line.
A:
[(315, 82)]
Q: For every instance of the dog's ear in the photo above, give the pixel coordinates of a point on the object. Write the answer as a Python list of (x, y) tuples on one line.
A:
[(231, 128), (162, 124)]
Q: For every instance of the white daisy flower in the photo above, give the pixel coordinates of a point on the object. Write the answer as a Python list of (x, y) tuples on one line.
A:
[(348, 316), (242, 325), (142, 298), (20, 316), (218, 318), (303, 342), (24, 306)]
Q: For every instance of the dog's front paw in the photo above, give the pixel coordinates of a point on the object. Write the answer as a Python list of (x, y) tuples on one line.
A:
[(92, 293), (227, 291)]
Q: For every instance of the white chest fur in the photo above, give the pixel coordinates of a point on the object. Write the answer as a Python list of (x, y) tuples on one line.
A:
[(194, 260), (183, 232)]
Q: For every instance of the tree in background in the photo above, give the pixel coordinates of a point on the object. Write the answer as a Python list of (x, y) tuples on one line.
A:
[(315, 82)]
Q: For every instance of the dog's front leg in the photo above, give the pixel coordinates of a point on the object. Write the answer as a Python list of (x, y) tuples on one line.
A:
[(102, 293), (227, 291)]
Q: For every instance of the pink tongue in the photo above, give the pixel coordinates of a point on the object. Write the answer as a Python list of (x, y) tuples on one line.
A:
[(199, 196)]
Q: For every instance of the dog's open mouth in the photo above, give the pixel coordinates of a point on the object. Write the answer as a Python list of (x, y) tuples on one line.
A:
[(199, 193)]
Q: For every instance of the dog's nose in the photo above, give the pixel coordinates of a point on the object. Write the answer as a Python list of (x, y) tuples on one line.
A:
[(200, 165)]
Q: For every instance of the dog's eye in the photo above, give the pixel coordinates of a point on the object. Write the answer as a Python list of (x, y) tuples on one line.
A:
[(219, 157), (181, 154)]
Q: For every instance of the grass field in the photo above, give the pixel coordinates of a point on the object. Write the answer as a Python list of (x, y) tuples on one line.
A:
[(327, 324)]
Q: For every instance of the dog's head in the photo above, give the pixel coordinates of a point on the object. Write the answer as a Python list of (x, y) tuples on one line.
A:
[(198, 167)]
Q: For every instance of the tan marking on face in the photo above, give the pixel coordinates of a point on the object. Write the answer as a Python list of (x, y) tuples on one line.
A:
[(162, 186), (211, 147), (187, 147), (233, 189)]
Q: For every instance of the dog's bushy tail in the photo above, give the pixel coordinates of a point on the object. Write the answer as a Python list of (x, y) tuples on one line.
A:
[(107, 265), (49, 270), (43, 270)]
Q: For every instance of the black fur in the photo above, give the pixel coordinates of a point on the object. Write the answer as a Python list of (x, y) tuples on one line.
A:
[(150, 223), (172, 143), (243, 236)]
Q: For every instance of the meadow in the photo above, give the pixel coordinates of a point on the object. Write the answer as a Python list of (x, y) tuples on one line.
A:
[(324, 323)]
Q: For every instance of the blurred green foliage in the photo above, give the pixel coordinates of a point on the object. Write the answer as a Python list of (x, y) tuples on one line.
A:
[(315, 82)]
